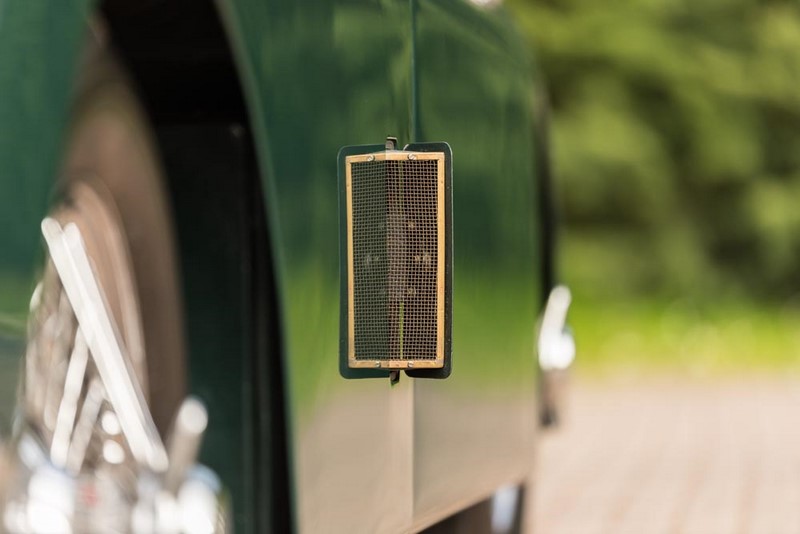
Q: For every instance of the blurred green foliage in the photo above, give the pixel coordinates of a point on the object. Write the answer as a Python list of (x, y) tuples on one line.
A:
[(683, 336), (676, 143)]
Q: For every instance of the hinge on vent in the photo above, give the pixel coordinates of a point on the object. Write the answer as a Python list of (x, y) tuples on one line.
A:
[(396, 259)]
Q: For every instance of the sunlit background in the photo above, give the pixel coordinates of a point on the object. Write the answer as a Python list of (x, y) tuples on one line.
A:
[(676, 146)]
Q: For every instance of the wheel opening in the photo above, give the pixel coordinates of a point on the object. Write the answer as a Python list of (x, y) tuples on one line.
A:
[(179, 58)]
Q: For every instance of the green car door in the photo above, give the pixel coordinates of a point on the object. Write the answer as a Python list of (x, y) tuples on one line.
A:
[(368, 456)]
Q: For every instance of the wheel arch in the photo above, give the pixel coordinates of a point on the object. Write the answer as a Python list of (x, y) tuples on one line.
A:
[(178, 53)]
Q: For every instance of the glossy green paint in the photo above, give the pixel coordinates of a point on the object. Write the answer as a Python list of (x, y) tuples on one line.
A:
[(39, 45), (321, 75)]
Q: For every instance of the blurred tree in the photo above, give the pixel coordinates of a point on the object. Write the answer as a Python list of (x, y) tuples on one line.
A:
[(676, 137)]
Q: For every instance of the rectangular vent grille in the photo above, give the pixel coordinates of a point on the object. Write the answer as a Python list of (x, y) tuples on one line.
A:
[(395, 260)]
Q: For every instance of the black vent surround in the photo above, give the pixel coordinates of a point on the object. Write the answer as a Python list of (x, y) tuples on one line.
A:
[(396, 260)]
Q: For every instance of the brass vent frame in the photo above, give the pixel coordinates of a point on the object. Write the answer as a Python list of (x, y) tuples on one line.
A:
[(355, 361), (395, 226)]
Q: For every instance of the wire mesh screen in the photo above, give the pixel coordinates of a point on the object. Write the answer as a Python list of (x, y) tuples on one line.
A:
[(395, 259)]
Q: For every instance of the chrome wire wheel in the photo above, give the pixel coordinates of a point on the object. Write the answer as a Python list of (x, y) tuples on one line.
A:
[(105, 440)]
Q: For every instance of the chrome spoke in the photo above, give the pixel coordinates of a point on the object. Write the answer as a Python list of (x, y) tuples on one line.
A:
[(73, 385), (74, 269), (87, 455), (85, 427), (184, 442)]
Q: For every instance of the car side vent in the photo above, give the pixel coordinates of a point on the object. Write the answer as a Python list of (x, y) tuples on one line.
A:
[(396, 259)]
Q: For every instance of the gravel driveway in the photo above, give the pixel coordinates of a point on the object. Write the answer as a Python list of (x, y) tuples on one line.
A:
[(667, 456)]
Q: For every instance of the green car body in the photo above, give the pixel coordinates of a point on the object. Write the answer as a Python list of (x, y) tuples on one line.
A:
[(293, 441)]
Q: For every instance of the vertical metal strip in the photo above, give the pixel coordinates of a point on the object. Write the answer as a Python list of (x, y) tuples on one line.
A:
[(351, 329), (441, 258), (415, 133)]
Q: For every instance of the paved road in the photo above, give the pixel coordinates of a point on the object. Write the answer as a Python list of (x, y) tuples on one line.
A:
[(670, 457)]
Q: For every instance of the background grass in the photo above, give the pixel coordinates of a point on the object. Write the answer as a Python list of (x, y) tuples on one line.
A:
[(684, 337)]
